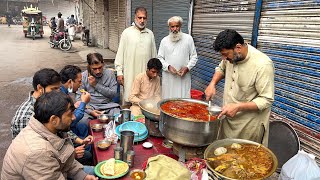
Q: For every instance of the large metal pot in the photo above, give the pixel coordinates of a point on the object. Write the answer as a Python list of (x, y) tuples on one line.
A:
[(187, 132), (150, 109), (209, 152)]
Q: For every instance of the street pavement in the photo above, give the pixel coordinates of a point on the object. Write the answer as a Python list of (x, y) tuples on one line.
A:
[(20, 58)]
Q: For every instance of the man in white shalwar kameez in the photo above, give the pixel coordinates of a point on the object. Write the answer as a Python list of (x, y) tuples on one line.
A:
[(178, 56), (136, 47)]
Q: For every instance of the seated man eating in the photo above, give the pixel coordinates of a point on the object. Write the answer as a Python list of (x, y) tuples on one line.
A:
[(102, 85), (43, 149), (146, 85)]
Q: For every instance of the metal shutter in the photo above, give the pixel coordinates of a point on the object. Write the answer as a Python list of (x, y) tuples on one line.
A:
[(163, 10), (117, 22), (289, 34), (211, 17), (146, 4)]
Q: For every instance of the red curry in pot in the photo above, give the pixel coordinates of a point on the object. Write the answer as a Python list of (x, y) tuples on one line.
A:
[(187, 110)]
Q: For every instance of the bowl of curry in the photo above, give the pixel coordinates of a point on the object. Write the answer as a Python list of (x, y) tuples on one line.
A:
[(236, 159), (187, 122)]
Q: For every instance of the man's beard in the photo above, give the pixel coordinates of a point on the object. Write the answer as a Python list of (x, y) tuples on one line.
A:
[(175, 36), (140, 26), (63, 127), (237, 57)]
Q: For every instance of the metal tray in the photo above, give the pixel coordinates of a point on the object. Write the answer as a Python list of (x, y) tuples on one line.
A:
[(283, 141)]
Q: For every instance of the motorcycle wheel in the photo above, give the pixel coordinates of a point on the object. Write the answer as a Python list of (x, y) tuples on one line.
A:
[(83, 38), (65, 45)]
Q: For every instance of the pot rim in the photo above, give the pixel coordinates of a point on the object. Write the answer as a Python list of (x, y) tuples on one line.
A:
[(148, 110), (244, 141)]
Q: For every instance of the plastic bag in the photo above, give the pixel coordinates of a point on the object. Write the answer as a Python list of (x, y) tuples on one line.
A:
[(110, 132), (302, 166)]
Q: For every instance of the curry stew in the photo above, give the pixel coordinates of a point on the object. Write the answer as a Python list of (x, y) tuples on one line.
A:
[(247, 162), (187, 110)]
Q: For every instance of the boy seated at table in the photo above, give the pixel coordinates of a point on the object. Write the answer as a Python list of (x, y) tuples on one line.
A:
[(146, 85)]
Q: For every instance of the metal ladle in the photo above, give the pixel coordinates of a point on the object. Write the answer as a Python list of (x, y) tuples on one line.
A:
[(214, 110)]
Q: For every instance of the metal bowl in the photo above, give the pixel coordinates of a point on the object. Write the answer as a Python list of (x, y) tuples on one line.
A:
[(209, 152), (150, 109), (103, 118), (103, 144), (97, 127), (187, 132)]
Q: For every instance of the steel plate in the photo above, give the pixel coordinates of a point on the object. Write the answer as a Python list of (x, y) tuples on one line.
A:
[(283, 141)]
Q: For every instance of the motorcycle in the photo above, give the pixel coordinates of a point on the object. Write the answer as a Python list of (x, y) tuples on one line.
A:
[(60, 40), (86, 36)]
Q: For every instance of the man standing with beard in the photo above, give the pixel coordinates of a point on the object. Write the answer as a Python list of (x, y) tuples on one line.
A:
[(102, 85), (43, 149), (136, 47), (178, 55), (248, 90)]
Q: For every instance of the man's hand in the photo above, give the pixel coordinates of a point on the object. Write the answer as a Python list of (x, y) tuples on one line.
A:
[(79, 151), (120, 80), (85, 97), (77, 104), (172, 70), (183, 71), (90, 177), (88, 140), (96, 113), (210, 91), (230, 110), (92, 81)]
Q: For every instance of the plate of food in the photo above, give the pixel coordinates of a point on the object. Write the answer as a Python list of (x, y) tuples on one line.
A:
[(111, 169)]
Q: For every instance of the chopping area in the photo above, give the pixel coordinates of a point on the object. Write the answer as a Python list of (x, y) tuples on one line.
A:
[(158, 134)]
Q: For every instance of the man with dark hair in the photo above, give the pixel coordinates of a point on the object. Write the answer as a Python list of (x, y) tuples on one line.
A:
[(248, 90), (60, 23), (136, 47), (102, 85), (146, 85), (44, 80), (43, 150), (71, 79)]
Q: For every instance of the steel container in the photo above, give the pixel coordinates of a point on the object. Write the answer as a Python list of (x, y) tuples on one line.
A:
[(209, 152), (187, 132), (150, 109)]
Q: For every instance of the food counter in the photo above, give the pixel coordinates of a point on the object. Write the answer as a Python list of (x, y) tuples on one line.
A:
[(141, 154)]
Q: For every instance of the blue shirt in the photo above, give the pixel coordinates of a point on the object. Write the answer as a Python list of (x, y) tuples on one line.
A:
[(79, 112)]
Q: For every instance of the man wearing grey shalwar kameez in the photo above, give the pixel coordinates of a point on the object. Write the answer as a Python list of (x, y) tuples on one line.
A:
[(102, 85)]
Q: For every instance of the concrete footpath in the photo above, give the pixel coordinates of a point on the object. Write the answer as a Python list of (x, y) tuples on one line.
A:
[(82, 50)]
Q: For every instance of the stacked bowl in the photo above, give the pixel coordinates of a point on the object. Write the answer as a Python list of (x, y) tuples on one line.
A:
[(139, 129)]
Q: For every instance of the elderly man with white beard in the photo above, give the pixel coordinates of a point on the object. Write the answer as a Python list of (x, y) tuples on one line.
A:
[(178, 55)]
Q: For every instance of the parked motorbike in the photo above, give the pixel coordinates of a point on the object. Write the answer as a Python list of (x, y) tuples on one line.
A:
[(86, 36), (60, 40)]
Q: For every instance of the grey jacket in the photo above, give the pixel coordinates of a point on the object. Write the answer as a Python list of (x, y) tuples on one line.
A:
[(36, 153)]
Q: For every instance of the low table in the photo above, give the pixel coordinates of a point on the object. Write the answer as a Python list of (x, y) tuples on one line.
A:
[(141, 154)]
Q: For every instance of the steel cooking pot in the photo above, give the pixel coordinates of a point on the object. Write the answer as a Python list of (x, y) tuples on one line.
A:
[(150, 109), (209, 152), (187, 132)]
